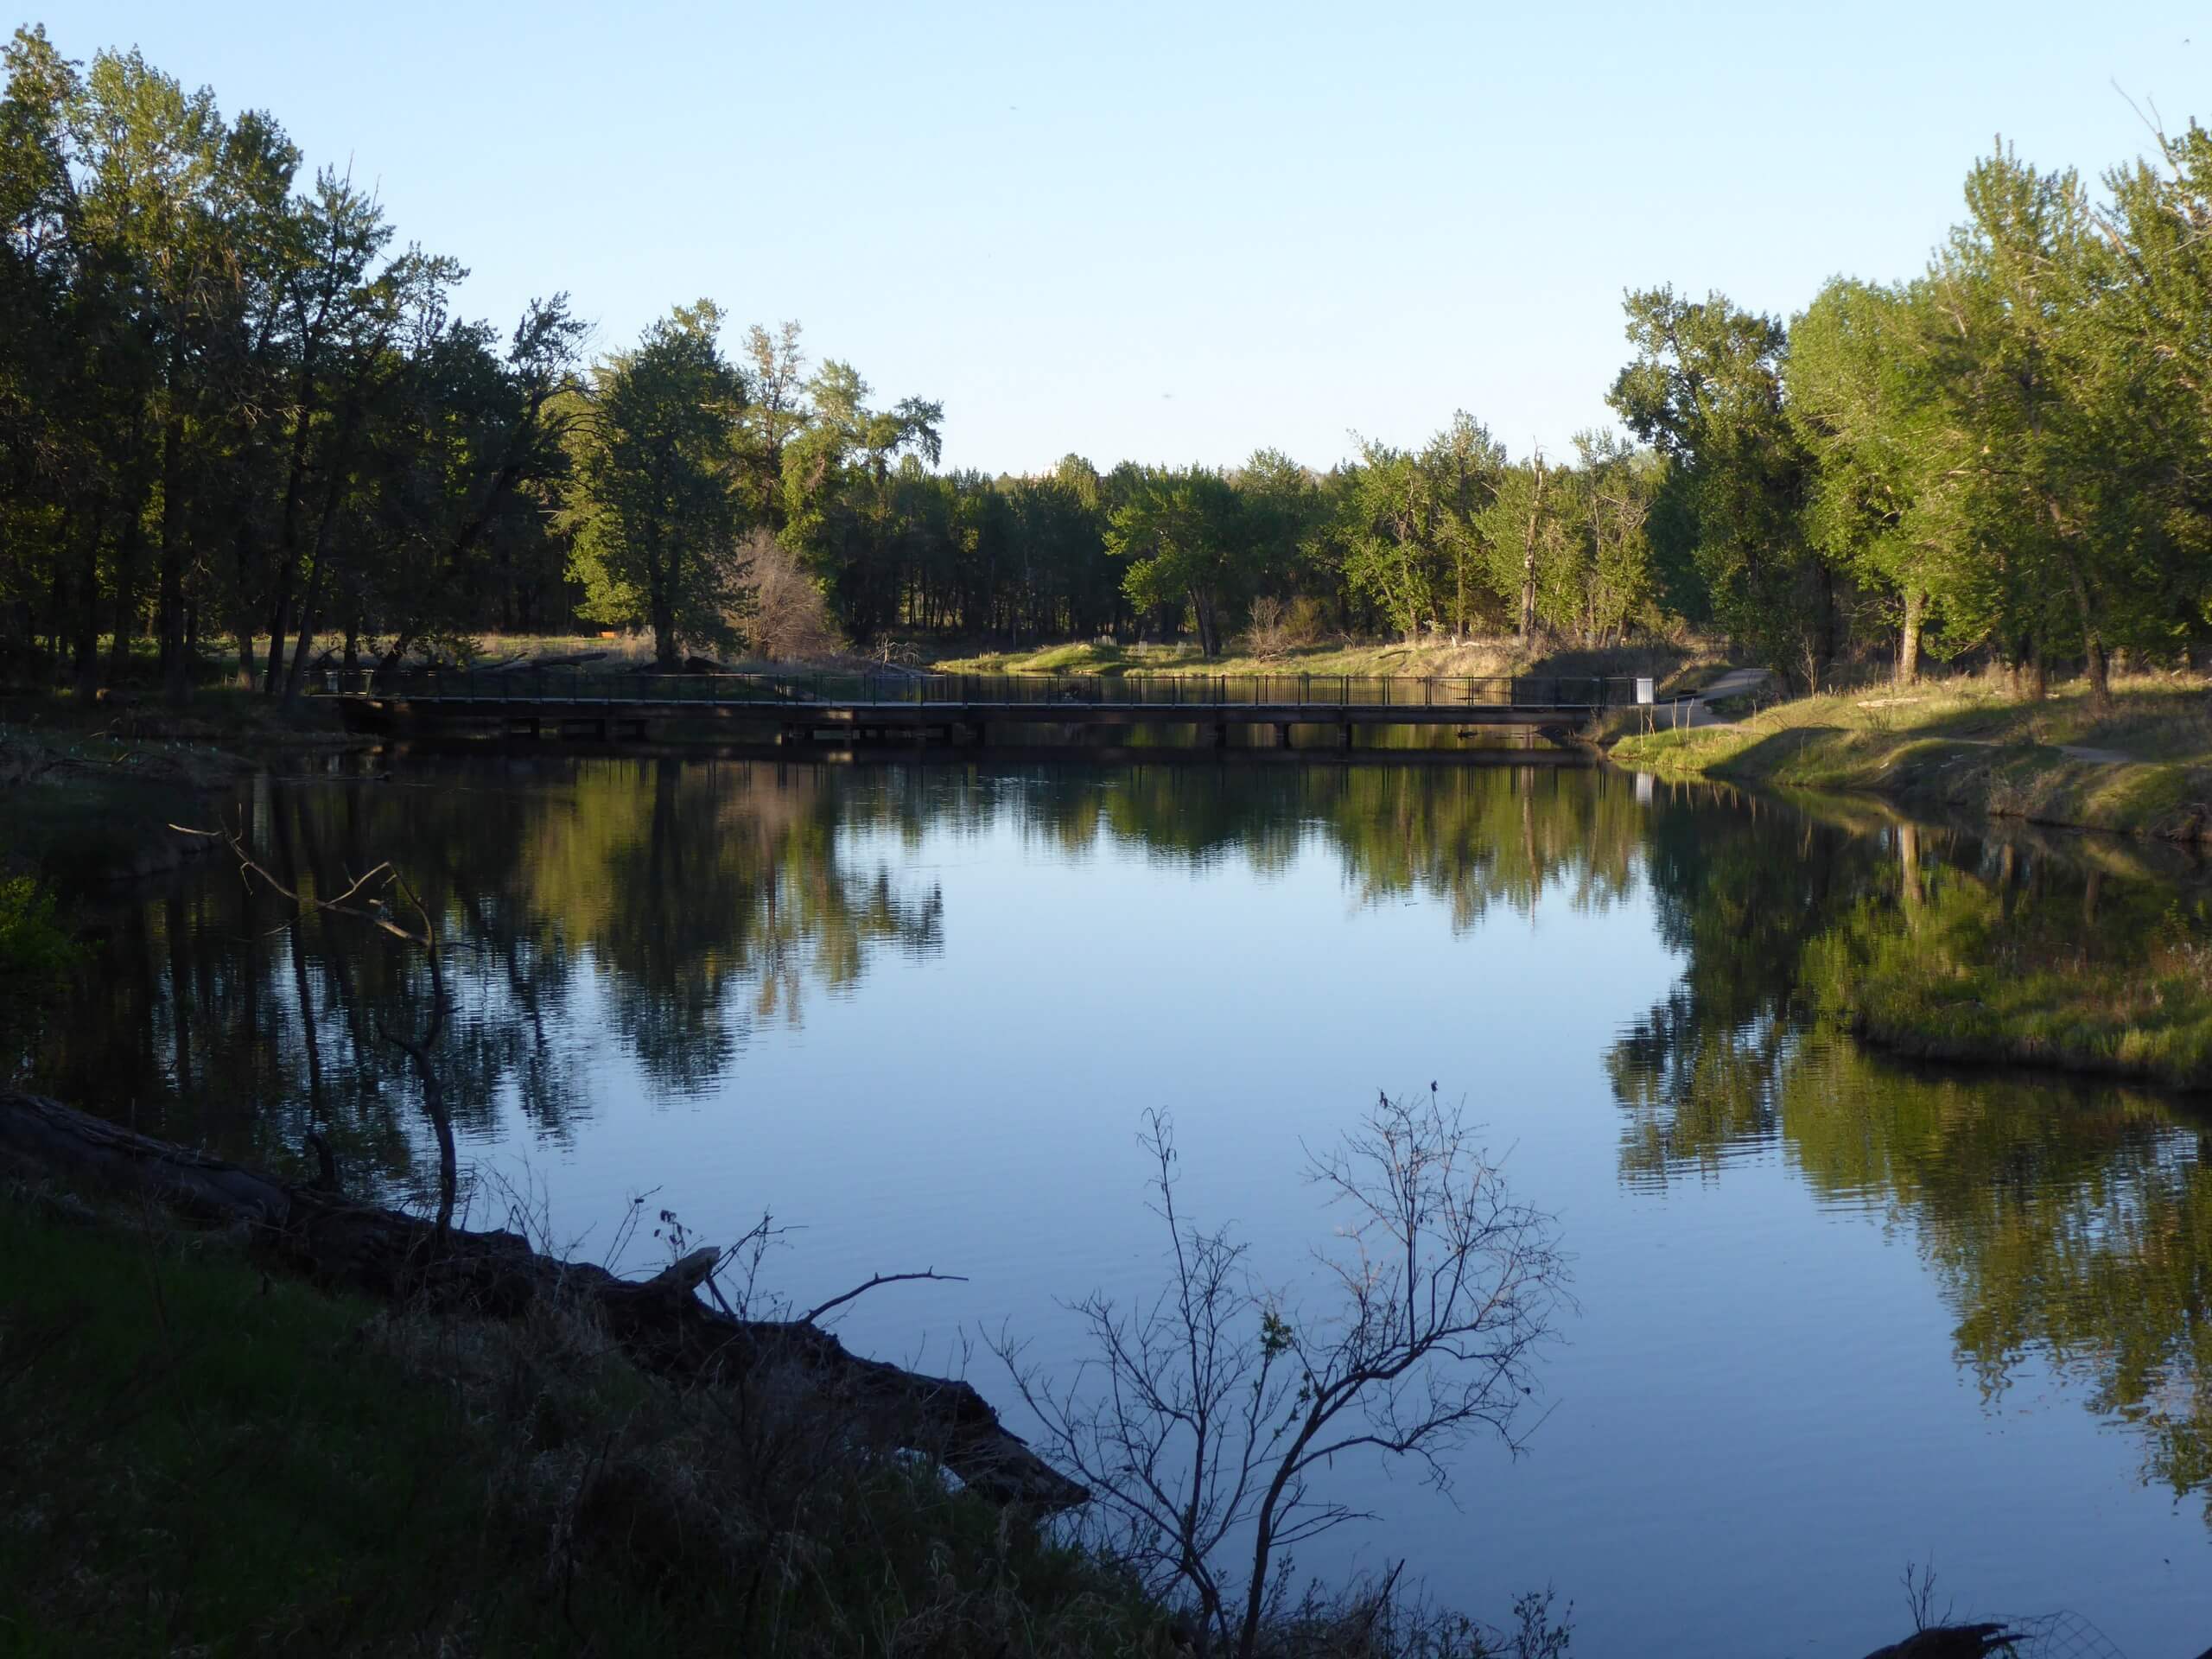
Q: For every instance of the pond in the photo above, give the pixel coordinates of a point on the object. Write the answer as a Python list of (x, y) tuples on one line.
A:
[(1836, 1313)]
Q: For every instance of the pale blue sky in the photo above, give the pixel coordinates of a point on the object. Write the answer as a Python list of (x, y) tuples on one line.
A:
[(1179, 232)]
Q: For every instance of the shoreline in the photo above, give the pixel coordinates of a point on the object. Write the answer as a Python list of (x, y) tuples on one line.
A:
[(1950, 968), (2144, 769)]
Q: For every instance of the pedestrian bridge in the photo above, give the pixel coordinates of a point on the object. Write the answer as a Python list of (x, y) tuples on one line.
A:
[(811, 705)]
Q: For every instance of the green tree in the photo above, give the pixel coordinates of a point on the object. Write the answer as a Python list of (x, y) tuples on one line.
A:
[(654, 505), (1865, 404), (2047, 389), (1705, 390), (1186, 546), (842, 515)]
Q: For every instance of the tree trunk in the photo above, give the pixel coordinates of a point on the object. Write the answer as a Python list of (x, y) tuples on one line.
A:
[(1204, 615), (280, 629), (85, 660), (2099, 676), (311, 617), (1916, 615), (659, 1322), (128, 547), (1528, 557), (2092, 641), (2093, 644), (170, 603), (1825, 634)]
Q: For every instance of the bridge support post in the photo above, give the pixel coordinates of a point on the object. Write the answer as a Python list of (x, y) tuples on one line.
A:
[(1345, 734), (1221, 733), (1282, 734)]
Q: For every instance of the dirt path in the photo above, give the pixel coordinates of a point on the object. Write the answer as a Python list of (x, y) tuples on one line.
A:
[(1695, 711), (2071, 751)]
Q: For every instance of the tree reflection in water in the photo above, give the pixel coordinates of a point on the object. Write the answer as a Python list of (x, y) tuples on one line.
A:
[(671, 906), (2069, 1223)]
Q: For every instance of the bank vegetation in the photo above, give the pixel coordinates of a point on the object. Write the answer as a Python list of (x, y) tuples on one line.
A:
[(245, 434)]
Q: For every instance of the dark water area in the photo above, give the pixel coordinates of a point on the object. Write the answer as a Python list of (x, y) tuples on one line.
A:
[(1836, 1312)]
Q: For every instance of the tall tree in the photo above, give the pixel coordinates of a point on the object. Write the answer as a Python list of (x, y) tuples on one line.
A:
[(654, 504), (1187, 550), (1864, 403), (1705, 388)]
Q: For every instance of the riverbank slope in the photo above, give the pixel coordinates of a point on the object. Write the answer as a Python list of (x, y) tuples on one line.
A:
[(1675, 665), (2144, 767), (210, 1457)]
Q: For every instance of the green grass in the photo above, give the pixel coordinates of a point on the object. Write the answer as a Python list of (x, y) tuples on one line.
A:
[(1480, 658), (1968, 744), (204, 1459)]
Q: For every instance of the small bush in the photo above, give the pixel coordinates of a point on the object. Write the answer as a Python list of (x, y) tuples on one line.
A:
[(1280, 626), (789, 621), (36, 953)]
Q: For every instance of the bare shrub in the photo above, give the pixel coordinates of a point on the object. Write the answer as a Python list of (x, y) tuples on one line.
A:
[(1203, 1415), (787, 620), (1278, 626)]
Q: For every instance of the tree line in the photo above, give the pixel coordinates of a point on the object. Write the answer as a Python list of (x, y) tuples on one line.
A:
[(238, 420)]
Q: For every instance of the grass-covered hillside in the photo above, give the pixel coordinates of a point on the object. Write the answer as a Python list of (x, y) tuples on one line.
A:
[(1442, 659), (2143, 767)]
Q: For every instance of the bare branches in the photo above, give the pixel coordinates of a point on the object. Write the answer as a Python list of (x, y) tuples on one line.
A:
[(364, 900), (812, 1314), (1203, 1414), (359, 900)]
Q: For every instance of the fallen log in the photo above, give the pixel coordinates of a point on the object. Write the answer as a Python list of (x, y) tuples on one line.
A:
[(1951, 1642), (660, 1322)]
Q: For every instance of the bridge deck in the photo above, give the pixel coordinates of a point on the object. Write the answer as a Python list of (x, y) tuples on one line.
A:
[(864, 701)]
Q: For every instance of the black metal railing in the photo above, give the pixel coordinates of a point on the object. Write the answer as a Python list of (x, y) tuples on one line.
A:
[(864, 689)]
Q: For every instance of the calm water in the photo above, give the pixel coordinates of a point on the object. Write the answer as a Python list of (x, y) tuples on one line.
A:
[(1835, 1313)]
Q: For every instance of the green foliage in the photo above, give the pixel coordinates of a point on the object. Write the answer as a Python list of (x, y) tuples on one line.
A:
[(232, 406), (36, 953), (1884, 506), (1186, 544), (652, 504), (1705, 390)]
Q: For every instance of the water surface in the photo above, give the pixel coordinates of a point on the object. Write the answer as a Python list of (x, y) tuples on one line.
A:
[(1836, 1312)]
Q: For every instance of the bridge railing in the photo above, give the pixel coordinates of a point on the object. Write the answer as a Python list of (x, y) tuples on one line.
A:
[(1319, 692)]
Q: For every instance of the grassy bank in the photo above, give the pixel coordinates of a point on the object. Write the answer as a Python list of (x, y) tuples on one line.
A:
[(2144, 767), (204, 1459), (1482, 657)]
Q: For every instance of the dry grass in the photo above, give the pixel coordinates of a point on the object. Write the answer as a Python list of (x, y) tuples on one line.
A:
[(1448, 659)]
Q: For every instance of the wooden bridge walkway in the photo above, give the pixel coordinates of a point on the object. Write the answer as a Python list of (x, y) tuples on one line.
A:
[(804, 707)]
